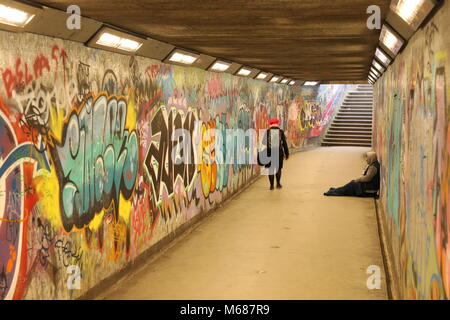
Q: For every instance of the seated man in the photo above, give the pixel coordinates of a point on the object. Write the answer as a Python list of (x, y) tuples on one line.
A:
[(364, 186)]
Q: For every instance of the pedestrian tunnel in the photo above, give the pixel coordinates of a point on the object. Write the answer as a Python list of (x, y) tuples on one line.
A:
[(132, 132)]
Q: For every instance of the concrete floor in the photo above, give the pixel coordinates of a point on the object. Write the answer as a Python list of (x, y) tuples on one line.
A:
[(292, 243)]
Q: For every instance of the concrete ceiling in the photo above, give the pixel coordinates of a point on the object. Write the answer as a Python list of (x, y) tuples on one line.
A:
[(300, 39)]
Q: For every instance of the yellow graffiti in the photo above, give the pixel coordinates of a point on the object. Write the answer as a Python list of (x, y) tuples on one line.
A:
[(131, 112), (125, 209), (208, 167), (47, 188), (56, 123), (95, 224)]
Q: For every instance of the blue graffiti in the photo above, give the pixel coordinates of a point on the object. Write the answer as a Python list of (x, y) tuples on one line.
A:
[(24, 152), (12, 156), (96, 161)]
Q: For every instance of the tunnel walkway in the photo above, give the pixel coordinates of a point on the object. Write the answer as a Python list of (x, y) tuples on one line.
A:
[(292, 243)]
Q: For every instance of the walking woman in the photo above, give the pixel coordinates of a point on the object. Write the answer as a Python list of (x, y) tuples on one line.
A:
[(277, 150)]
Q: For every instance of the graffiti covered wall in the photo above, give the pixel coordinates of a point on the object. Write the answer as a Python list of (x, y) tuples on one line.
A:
[(412, 140), (311, 111), (87, 181)]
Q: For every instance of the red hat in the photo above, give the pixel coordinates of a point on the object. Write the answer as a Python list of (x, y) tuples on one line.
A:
[(274, 121)]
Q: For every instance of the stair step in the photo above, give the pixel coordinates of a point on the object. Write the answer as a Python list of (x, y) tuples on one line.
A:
[(354, 128), (347, 137), (352, 125), (365, 129), (358, 103), (350, 139), (350, 110), (355, 112), (356, 109), (359, 93), (362, 118), (345, 144), (347, 120), (357, 106), (346, 132)]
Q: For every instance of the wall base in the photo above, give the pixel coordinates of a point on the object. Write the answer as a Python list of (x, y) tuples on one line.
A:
[(392, 278)]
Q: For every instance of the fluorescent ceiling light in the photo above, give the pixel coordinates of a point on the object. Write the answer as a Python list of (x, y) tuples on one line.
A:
[(382, 57), (220, 66), (413, 12), (129, 45), (274, 79), (244, 72), (375, 71), (108, 39), (284, 81), (262, 76), (111, 40), (392, 41), (292, 83), (378, 66), (184, 58), (14, 17), (311, 83)]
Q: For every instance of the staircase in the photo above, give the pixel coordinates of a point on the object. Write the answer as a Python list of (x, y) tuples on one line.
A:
[(352, 125)]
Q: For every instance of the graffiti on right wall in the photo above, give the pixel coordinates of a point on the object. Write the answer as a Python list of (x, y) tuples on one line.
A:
[(412, 140)]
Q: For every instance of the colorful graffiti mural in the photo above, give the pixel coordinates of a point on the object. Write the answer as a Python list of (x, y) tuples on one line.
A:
[(312, 110), (412, 139), (87, 181)]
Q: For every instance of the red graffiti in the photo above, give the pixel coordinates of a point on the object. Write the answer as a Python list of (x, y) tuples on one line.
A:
[(154, 70), (40, 63), (20, 77), (58, 54)]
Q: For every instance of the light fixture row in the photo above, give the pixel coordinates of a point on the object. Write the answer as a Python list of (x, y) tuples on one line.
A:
[(411, 12), (16, 16), (183, 57)]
